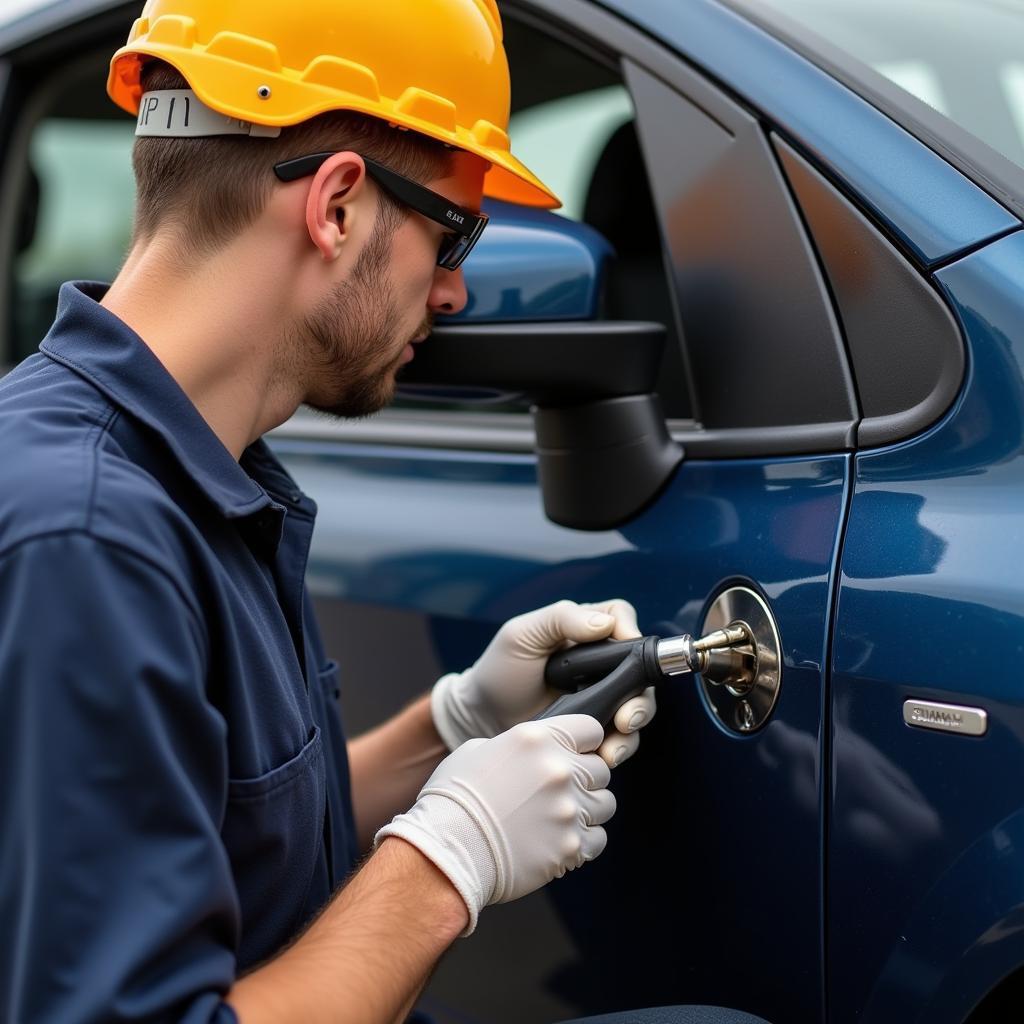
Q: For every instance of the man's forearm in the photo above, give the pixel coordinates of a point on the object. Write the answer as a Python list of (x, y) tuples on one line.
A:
[(389, 766), (367, 956)]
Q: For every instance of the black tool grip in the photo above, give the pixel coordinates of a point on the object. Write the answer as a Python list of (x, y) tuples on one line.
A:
[(634, 673), (584, 665)]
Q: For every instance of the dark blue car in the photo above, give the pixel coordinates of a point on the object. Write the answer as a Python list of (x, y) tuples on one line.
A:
[(767, 364)]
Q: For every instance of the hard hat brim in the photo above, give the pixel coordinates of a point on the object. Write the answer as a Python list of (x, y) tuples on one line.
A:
[(511, 180)]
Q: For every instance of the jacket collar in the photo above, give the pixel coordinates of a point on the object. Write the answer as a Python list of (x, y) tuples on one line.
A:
[(97, 345)]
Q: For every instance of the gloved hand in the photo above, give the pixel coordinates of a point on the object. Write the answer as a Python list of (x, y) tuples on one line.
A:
[(506, 685), (503, 817)]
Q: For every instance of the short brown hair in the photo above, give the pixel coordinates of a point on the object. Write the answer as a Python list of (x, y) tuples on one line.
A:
[(210, 189)]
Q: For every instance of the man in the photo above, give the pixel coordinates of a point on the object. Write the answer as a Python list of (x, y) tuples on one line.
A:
[(177, 804)]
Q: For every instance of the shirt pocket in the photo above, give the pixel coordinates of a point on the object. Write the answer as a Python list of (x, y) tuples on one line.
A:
[(273, 831)]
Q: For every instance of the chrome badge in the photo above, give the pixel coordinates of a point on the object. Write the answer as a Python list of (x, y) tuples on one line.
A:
[(926, 714)]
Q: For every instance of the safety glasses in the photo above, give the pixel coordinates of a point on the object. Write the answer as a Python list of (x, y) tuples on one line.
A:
[(464, 226)]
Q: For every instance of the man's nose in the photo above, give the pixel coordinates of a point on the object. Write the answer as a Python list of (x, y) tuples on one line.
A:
[(448, 296)]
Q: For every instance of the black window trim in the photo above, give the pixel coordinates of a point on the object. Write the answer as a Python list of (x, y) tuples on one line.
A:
[(513, 433)]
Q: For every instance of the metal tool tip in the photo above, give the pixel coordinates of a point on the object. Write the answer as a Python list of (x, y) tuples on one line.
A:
[(734, 635)]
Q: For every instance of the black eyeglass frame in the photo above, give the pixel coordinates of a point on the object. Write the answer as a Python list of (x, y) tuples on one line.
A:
[(464, 226)]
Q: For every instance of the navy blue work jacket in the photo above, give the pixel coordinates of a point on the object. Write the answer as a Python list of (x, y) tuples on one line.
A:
[(175, 798)]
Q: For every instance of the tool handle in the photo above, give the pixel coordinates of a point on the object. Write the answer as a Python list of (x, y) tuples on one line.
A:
[(575, 667), (603, 699)]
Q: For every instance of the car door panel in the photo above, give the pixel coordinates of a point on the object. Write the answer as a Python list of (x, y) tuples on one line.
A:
[(460, 539)]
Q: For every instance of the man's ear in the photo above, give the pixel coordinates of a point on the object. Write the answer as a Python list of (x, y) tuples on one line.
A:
[(333, 200)]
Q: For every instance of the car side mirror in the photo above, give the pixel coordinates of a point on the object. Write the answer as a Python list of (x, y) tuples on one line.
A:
[(603, 446)]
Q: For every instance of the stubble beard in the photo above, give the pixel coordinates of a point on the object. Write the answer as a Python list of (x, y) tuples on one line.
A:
[(350, 336)]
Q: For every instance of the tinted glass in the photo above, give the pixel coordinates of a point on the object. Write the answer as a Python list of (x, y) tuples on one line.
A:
[(81, 193), (964, 58), (562, 140)]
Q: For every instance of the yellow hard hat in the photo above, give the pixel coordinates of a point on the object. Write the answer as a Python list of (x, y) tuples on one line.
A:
[(437, 67)]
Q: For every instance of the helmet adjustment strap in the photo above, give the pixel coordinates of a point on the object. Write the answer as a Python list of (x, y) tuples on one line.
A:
[(180, 114)]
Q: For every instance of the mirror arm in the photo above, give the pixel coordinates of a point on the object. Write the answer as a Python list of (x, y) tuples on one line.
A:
[(602, 464), (603, 446)]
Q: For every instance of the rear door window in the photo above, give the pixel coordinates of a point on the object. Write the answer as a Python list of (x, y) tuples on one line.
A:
[(964, 58)]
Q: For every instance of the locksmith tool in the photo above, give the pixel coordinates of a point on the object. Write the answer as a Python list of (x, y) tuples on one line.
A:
[(598, 678)]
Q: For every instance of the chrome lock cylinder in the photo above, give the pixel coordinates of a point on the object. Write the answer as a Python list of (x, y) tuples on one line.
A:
[(741, 683)]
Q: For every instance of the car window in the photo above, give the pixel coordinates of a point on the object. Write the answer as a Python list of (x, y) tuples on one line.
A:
[(572, 121), (964, 58), (83, 190), (562, 140)]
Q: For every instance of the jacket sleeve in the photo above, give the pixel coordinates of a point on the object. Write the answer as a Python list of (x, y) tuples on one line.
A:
[(116, 893)]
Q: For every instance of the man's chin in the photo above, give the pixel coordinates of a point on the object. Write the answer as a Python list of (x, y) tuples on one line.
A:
[(357, 406)]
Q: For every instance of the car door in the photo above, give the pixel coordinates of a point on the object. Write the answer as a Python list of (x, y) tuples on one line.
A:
[(910, 829), (432, 533)]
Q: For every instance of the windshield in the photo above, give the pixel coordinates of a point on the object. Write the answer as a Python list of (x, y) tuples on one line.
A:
[(965, 58)]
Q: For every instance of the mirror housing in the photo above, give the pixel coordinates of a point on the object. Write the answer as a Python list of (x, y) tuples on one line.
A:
[(533, 265)]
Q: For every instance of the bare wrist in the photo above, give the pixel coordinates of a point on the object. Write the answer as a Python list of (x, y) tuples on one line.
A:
[(443, 910)]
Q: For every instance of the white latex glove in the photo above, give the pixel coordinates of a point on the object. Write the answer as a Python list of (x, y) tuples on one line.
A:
[(505, 816), (506, 685)]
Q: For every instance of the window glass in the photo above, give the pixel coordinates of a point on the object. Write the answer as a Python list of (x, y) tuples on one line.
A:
[(16, 8), (572, 123), (83, 191), (562, 140), (76, 196), (962, 57)]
